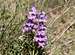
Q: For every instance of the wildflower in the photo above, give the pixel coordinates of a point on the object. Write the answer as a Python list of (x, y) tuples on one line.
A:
[(28, 26), (26, 29), (35, 27), (42, 26), (41, 37), (32, 13), (36, 22), (41, 40), (42, 16)]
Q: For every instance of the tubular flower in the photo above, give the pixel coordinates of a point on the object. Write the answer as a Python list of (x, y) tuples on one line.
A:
[(42, 16), (41, 37), (28, 26), (36, 22)]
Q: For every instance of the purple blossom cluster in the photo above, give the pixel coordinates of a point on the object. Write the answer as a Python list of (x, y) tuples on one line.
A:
[(40, 36), (30, 23), (36, 22)]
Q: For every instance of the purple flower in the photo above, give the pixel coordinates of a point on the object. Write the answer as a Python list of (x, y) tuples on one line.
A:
[(28, 26), (44, 38), (36, 22), (41, 27), (40, 40), (40, 32), (35, 27), (42, 16), (32, 13), (33, 9), (41, 37), (31, 17), (29, 23)]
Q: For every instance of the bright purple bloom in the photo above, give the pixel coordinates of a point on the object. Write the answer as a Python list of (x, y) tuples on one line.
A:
[(28, 26), (33, 8), (35, 27), (42, 16), (29, 23), (39, 26), (32, 13), (31, 17), (26, 29), (41, 33), (40, 37)]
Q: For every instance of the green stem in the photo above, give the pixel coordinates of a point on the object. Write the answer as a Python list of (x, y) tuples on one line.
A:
[(33, 52)]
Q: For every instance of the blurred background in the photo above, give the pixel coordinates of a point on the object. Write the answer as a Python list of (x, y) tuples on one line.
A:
[(60, 27)]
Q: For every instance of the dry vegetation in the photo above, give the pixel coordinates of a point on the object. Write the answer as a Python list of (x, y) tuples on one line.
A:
[(60, 27)]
